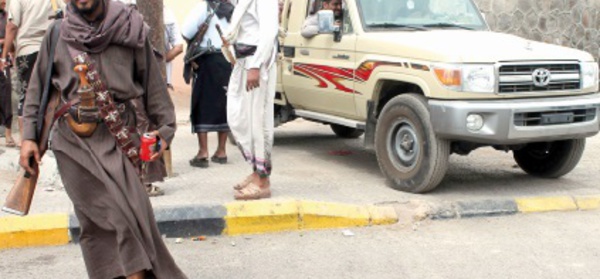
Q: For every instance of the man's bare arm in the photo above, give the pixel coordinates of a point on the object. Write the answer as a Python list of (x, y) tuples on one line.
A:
[(171, 54), (9, 41)]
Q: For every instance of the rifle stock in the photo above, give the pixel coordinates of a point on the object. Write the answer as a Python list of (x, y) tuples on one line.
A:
[(19, 198)]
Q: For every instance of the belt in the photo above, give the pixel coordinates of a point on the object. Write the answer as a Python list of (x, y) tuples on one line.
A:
[(243, 50), (71, 107)]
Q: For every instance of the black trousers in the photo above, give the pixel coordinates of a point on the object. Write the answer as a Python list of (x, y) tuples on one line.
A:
[(25, 65), (6, 114)]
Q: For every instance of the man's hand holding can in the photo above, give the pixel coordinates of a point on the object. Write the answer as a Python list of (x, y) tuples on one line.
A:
[(152, 147)]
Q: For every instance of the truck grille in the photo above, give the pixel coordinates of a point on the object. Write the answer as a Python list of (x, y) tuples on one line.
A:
[(557, 117), (519, 78)]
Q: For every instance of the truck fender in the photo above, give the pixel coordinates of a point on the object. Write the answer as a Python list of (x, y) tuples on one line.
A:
[(373, 103)]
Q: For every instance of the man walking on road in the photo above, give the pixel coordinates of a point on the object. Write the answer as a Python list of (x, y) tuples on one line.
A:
[(27, 24), (254, 28), (119, 235)]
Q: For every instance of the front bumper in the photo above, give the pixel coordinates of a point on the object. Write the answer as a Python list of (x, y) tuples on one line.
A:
[(501, 119)]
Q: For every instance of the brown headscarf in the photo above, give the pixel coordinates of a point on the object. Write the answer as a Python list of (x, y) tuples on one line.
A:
[(121, 25)]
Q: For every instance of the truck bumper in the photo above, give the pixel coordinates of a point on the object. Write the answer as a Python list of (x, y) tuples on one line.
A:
[(518, 121)]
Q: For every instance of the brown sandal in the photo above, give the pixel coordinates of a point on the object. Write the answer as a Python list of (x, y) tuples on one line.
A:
[(154, 191), (253, 192)]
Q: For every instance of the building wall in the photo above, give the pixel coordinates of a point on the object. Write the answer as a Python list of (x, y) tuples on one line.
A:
[(548, 21)]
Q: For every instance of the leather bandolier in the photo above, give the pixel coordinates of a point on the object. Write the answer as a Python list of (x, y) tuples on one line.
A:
[(100, 108)]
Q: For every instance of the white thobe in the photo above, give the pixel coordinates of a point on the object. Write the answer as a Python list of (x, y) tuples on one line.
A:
[(250, 114)]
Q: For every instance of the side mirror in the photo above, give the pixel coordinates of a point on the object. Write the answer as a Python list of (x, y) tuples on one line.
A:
[(326, 24)]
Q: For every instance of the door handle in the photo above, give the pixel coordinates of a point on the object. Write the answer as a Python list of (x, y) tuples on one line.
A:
[(341, 56), (304, 52)]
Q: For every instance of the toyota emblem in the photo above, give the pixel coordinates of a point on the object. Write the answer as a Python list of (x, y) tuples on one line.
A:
[(541, 77)]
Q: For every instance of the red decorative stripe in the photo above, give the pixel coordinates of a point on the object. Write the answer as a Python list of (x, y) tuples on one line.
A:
[(333, 75)]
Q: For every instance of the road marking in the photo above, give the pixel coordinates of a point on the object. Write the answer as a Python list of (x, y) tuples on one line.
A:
[(588, 203), (545, 204)]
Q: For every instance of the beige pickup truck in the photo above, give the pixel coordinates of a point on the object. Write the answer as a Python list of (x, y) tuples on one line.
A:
[(424, 79)]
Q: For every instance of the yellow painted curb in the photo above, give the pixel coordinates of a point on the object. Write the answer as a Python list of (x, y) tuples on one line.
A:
[(588, 203), (382, 215), (38, 230), (545, 204), (261, 217), (321, 215)]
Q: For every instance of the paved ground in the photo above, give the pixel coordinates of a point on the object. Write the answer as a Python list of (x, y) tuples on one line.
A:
[(306, 167), (522, 246)]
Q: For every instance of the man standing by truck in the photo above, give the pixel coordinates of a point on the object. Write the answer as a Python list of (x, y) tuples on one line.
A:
[(254, 28)]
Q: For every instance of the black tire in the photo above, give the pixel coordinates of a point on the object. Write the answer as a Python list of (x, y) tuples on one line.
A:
[(550, 159), (409, 153), (346, 132)]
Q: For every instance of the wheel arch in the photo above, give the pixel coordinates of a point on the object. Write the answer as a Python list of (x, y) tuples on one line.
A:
[(385, 88), (390, 85)]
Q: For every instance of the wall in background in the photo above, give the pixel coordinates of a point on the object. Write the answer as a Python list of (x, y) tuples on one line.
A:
[(571, 23)]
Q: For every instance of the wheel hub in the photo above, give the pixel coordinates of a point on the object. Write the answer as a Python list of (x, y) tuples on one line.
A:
[(403, 147), (407, 143)]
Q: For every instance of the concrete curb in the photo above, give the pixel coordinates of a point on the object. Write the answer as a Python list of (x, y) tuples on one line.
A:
[(235, 218), (510, 207), (266, 216)]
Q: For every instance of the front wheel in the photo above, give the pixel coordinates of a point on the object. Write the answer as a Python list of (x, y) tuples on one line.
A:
[(409, 153), (550, 159)]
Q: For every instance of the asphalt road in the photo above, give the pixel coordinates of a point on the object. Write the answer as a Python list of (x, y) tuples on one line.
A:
[(552, 245)]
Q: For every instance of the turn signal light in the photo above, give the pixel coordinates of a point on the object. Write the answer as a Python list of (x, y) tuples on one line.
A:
[(448, 77)]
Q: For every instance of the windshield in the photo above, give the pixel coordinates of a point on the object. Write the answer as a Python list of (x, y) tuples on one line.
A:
[(420, 14)]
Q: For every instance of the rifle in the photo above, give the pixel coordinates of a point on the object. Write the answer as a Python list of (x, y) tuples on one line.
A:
[(194, 50), (20, 196)]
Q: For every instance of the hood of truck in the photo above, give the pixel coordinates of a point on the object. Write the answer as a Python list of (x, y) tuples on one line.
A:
[(463, 46)]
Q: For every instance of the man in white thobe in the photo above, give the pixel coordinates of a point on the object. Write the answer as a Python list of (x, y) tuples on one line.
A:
[(252, 90)]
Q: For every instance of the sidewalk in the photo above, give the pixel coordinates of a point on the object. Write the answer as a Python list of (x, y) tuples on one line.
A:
[(309, 171)]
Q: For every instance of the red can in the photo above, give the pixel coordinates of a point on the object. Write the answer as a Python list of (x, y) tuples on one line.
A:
[(148, 146)]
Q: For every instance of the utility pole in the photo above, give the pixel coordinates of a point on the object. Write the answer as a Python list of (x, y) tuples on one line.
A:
[(153, 15)]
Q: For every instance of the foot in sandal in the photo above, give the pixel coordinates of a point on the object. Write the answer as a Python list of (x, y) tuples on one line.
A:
[(10, 142), (241, 185), (257, 189)]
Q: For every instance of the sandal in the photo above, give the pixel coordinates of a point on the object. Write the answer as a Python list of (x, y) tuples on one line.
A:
[(199, 162), (243, 184), (219, 160), (154, 191), (10, 142), (252, 192)]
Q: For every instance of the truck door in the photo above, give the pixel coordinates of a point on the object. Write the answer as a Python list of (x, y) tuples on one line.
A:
[(318, 73)]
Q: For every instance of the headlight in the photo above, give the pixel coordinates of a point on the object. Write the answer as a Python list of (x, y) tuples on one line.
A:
[(467, 78), (589, 74)]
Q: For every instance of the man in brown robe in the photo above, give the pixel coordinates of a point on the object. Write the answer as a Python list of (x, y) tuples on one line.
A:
[(119, 234)]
